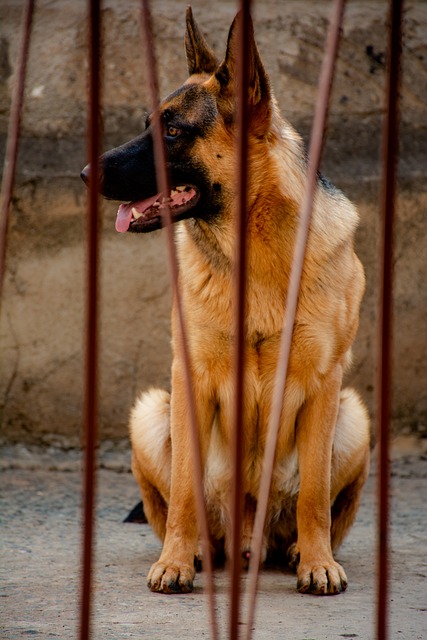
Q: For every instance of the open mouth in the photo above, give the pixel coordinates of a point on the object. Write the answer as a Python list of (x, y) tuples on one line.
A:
[(146, 215)]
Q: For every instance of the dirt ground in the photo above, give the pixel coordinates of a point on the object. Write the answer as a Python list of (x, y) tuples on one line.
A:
[(41, 550)]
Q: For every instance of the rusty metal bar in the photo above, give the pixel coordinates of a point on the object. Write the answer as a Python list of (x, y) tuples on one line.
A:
[(163, 184), (239, 311), (9, 167), (91, 374), (385, 364), (315, 150)]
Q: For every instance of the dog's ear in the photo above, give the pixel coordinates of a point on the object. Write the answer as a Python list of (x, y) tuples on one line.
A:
[(259, 93), (200, 57)]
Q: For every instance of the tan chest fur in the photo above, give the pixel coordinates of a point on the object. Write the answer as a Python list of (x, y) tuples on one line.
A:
[(321, 338)]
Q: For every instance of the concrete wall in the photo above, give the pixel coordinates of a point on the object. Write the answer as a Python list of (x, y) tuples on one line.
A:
[(42, 314)]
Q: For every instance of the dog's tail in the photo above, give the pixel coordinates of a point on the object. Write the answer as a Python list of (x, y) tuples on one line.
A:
[(137, 515)]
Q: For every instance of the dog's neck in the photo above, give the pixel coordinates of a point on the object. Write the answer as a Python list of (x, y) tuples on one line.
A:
[(208, 244)]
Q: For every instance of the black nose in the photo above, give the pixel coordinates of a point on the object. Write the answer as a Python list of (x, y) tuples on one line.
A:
[(85, 174)]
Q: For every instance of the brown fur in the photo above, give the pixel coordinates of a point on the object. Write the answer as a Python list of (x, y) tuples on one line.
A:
[(323, 448)]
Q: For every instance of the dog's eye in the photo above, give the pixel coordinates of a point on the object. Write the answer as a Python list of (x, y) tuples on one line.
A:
[(171, 131)]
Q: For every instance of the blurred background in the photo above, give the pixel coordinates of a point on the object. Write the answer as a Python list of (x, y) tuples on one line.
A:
[(42, 311)]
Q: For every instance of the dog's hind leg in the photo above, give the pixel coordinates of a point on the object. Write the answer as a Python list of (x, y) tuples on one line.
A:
[(151, 454), (350, 463)]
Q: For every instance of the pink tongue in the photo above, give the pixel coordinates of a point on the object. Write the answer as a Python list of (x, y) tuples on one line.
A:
[(124, 214)]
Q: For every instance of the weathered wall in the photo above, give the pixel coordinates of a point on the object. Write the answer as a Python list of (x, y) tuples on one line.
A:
[(42, 315)]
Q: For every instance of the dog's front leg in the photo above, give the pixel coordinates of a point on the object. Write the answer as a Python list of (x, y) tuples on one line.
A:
[(317, 572), (174, 571)]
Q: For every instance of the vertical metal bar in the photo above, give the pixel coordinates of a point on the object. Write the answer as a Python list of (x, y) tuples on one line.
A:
[(390, 153), (9, 167), (315, 150), (163, 185), (239, 311), (91, 377)]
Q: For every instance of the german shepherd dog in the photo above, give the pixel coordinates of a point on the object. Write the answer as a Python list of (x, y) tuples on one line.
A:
[(322, 456)]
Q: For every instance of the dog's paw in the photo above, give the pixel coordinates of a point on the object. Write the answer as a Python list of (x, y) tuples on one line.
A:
[(323, 579), (171, 578)]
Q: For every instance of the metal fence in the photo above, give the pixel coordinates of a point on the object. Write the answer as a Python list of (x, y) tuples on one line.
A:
[(92, 310)]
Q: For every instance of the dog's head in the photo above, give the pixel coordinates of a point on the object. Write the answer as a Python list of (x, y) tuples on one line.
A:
[(199, 133)]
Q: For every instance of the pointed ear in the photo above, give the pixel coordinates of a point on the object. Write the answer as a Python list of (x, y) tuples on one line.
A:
[(200, 57), (259, 93)]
